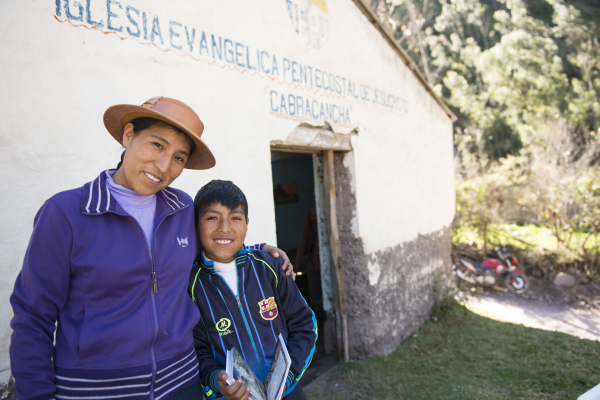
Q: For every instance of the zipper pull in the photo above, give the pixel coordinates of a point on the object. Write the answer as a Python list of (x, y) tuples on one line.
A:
[(154, 283), (238, 301)]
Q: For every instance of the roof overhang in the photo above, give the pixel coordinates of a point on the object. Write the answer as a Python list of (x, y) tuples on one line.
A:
[(388, 35)]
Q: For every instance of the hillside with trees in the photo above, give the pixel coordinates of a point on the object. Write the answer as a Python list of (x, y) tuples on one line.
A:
[(523, 77)]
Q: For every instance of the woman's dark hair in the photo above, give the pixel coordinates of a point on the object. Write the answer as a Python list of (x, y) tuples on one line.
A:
[(142, 123), (218, 191)]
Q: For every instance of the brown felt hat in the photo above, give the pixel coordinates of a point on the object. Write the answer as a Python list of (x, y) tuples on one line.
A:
[(168, 110)]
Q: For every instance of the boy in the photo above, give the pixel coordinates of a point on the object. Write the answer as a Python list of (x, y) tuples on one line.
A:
[(244, 298)]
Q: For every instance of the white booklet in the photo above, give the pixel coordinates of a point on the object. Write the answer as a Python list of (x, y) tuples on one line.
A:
[(274, 385)]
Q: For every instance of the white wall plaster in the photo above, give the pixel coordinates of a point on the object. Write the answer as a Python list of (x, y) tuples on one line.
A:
[(59, 75)]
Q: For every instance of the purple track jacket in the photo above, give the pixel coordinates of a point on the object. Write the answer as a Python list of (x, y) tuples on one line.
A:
[(125, 320)]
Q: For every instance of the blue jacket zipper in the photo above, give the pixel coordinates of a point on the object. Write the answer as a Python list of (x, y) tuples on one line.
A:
[(153, 297), (155, 314), (154, 310), (237, 298)]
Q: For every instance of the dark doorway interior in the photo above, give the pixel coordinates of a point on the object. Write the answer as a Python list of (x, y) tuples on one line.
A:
[(294, 192), (297, 235)]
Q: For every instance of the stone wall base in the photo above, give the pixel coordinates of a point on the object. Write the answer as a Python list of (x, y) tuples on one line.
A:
[(389, 293)]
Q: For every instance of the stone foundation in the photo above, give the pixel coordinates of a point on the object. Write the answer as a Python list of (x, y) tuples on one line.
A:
[(389, 293), (7, 390)]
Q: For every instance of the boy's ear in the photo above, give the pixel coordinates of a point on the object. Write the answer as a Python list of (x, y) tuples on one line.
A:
[(247, 221)]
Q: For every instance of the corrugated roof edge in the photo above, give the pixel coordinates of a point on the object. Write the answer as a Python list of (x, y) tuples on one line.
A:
[(389, 37)]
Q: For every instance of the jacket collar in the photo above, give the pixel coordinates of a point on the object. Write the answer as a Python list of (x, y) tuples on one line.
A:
[(240, 257), (97, 199), (208, 267)]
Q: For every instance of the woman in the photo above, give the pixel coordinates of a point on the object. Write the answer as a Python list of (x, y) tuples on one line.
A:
[(110, 262)]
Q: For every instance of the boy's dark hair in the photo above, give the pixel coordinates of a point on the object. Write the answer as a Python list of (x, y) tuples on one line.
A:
[(218, 191)]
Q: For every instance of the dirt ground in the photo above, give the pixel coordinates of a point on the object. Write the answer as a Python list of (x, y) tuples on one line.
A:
[(574, 310)]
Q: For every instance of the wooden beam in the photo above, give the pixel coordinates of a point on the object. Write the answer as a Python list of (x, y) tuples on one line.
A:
[(334, 244), (288, 149)]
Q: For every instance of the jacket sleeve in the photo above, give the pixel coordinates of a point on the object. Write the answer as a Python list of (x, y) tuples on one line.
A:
[(39, 295), (209, 367), (301, 325)]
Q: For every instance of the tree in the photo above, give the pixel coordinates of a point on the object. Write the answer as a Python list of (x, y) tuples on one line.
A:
[(523, 76)]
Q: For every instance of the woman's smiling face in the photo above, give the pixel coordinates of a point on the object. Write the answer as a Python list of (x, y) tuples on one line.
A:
[(154, 158)]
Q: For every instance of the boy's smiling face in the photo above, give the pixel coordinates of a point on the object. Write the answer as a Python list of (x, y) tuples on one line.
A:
[(222, 231)]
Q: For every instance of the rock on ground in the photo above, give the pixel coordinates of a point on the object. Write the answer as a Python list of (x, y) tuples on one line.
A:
[(564, 280)]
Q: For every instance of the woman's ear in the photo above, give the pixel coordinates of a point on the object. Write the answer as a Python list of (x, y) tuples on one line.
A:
[(127, 134)]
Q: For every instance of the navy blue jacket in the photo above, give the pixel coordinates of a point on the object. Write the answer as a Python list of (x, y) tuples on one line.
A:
[(268, 303)]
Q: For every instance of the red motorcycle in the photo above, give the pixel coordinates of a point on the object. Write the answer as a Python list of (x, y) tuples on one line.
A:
[(492, 271)]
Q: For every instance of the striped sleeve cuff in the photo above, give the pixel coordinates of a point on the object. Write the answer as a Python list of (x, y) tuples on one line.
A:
[(212, 390), (290, 383), (209, 394)]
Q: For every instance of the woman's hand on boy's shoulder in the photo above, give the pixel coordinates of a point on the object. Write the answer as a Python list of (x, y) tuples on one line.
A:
[(276, 253), (236, 391)]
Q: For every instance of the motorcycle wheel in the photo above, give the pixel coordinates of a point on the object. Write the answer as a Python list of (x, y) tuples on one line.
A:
[(517, 283)]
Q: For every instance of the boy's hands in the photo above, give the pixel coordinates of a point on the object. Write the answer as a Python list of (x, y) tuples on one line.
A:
[(287, 266), (237, 391)]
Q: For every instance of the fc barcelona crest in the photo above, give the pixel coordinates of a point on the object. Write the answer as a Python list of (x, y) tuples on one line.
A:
[(268, 308)]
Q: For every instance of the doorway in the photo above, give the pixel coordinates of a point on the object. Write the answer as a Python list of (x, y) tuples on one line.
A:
[(296, 222), (302, 234)]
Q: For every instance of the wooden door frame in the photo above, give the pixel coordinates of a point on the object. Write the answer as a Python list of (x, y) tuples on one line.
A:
[(339, 297)]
